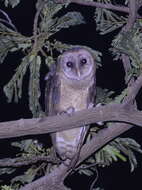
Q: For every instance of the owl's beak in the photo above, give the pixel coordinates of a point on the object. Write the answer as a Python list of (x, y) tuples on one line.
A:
[(78, 73)]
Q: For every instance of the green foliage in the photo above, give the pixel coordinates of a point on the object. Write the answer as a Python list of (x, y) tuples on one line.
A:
[(4, 171), (38, 50), (14, 41), (50, 23), (104, 96), (132, 48), (11, 41), (14, 87), (34, 88), (5, 187), (29, 149), (107, 21), (12, 3), (119, 149)]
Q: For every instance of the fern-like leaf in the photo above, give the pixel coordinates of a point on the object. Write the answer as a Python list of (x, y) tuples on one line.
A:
[(108, 21), (12, 3), (34, 85), (14, 87)]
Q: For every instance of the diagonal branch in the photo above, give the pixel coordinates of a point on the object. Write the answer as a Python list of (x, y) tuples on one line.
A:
[(52, 181), (98, 5), (101, 138)]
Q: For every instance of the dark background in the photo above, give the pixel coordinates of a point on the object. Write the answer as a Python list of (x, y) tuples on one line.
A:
[(110, 75)]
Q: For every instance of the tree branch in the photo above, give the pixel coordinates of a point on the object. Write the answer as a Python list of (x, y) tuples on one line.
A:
[(133, 8), (18, 162), (111, 112), (52, 181), (98, 5), (101, 138)]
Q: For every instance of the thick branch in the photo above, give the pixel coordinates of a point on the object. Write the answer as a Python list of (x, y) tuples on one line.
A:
[(111, 112), (52, 181), (98, 5), (133, 8), (101, 138)]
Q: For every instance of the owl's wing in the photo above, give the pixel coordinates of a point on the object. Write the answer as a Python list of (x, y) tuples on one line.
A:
[(92, 94), (52, 96), (52, 92)]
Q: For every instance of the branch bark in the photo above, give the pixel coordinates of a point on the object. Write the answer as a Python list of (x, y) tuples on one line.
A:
[(98, 5), (111, 112), (21, 161), (52, 181)]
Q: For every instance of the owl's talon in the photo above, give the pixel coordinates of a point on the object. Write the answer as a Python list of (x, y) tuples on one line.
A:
[(91, 105), (62, 113), (70, 111)]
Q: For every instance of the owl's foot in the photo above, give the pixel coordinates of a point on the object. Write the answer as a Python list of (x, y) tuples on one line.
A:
[(91, 105), (69, 111)]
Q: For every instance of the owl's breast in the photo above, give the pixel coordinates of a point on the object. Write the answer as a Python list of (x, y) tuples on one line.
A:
[(70, 97)]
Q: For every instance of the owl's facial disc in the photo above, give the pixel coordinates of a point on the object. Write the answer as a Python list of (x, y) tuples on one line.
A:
[(77, 65)]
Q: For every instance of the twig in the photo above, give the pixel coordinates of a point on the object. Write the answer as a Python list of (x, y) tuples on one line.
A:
[(18, 162), (8, 20), (35, 26)]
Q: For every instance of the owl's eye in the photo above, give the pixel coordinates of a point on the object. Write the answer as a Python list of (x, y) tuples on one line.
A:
[(83, 61), (69, 64)]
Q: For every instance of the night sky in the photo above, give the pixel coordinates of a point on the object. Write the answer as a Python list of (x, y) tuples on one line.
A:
[(110, 75)]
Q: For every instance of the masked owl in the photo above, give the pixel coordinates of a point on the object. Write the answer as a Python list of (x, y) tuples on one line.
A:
[(71, 86)]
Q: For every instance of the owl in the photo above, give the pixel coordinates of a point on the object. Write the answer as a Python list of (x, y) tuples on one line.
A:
[(71, 86)]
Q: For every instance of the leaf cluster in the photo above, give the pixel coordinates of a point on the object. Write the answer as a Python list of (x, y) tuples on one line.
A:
[(34, 46), (122, 44), (12, 3)]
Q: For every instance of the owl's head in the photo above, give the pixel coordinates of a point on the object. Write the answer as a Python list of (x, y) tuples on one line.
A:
[(77, 64)]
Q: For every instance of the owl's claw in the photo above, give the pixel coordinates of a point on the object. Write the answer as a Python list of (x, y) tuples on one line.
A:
[(69, 111), (91, 105)]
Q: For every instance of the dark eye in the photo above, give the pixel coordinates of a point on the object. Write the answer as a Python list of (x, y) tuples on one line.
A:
[(69, 64), (83, 61)]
